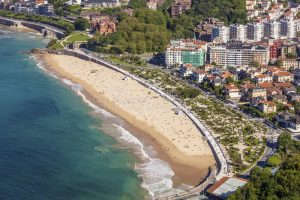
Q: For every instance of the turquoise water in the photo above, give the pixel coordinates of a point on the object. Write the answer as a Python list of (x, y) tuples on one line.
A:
[(51, 147)]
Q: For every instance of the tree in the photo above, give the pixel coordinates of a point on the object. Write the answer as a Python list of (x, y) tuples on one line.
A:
[(284, 141), (229, 80), (284, 184), (274, 160), (291, 55), (279, 63), (81, 24), (254, 64), (58, 6)]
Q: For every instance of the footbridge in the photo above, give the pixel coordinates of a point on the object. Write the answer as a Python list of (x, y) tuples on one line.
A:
[(216, 149), (46, 29)]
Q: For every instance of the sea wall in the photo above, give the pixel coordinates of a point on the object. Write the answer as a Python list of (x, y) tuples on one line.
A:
[(47, 30)]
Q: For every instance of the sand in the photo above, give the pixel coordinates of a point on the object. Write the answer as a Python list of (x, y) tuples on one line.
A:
[(152, 117)]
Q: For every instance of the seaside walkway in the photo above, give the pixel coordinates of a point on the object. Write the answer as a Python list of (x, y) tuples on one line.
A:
[(41, 26), (216, 149)]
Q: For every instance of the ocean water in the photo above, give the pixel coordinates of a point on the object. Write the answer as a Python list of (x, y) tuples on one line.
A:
[(51, 147), (55, 144)]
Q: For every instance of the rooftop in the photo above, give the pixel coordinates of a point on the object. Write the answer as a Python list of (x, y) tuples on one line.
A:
[(226, 186)]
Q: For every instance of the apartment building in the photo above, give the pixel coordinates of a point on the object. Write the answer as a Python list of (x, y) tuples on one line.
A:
[(272, 29), (238, 54), (255, 31), (238, 32), (186, 51), (288, 28), (220, 34), (179, 7)]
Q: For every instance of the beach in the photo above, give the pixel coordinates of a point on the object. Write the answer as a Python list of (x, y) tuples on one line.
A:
[(149, 116)]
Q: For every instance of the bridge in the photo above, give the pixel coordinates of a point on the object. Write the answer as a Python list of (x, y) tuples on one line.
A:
[(216, 149), (46, 29)]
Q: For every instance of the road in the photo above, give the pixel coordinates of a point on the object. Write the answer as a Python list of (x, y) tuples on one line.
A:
[(271, 148)]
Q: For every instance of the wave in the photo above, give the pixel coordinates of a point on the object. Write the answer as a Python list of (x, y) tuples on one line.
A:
[(155, 173)]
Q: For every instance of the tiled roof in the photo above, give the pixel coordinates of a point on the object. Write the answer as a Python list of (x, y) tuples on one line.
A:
[(284, 73), (265, 85)]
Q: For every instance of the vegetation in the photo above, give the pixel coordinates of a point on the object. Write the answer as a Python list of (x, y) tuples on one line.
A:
[(284, 183), (78, 37), (150, 31), (58, 6), (81, 24), (274, 160), (145, 32), (54, 45), (67, 26)]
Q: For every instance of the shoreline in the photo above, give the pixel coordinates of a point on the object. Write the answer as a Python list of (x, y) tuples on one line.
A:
[(190, 170), (23, 29)]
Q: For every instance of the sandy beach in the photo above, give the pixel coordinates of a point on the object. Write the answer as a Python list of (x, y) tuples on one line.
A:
[(150, 116)]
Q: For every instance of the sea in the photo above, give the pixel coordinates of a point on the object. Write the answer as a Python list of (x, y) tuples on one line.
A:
[(55, 144)]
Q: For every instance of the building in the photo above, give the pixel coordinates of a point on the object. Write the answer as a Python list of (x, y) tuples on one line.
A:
[(196, 58), (288, 120), (274, 47), (267, 107), (103, 24), (261, 78), (257, 92), (199, 76), (272, 29), (204, 28), (288, 28), (186, 70), (220, 34), (39, 2), (225, 187), (289, 48), (152, 4), (73, 2), (255, 31), (238, 54), (89, 4), (283, 77), (232, 92), (184, 52), (290, 63), (238, 32), (179, 7), (45, 9)]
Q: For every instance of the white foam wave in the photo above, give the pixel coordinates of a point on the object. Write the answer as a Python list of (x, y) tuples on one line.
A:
[(156, 173)]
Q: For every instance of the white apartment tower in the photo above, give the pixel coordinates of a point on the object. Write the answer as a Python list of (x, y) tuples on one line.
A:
[(255, 31), (288, 28), (238, 32), (272, 29), (220, 34)]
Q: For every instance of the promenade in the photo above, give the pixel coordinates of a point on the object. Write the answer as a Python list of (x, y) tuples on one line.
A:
[(41, 25)]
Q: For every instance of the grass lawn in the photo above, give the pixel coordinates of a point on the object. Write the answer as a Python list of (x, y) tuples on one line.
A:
[(78, 37)]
